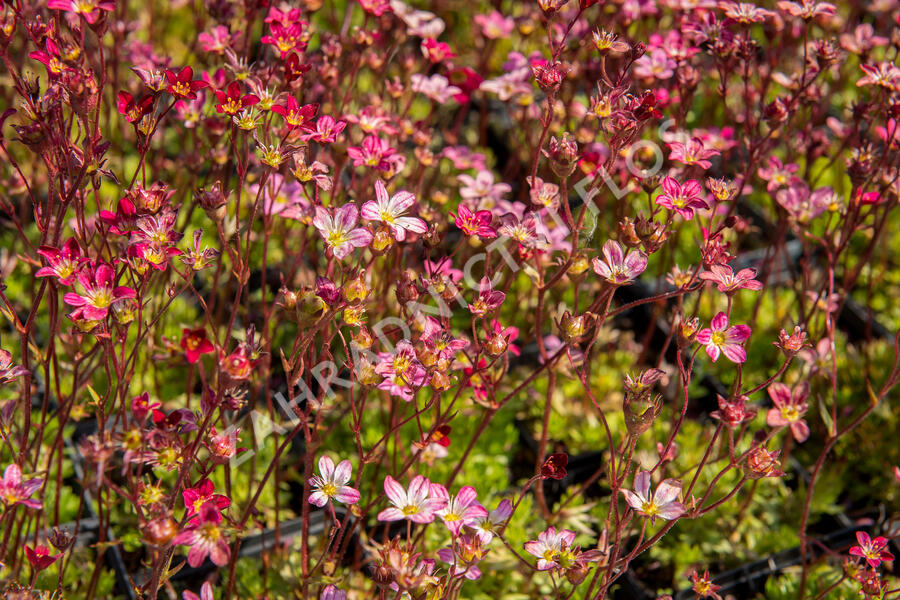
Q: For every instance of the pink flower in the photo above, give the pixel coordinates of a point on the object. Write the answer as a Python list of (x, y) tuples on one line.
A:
[(402, 371), (99, 292), (285, 38), (40, 557), (340, 231), (494, 25), (417, 504), (488, 298), (8, 371), (551, 547), (376, 153), (733, 412), (326, 130), (295, 115), (727, 282), (789, 409), (872, 550), (807, 9), (482, 190), (195, 497), (464, 556), (883, 74), (683, 199), (655, 64), (216, 40), (744, 12), (64, 263), (390, 210), (89, 9), (478, 223), (206, 593), (485, 526), (777, 174), (205, 537), (462, 509), (436, 87), (663, 503), (15, 491), (692, 153), (617, 268), (720, 338), (332, 592), (331, 483)]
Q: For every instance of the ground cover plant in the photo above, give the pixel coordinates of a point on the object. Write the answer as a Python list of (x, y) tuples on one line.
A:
[(386, 299)]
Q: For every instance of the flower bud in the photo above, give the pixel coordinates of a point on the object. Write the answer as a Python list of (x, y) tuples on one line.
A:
[(496, 344), (309, 308), (160, 531), (563, 155), (763, 463), (640, 413), (365, 373), (62, 539)]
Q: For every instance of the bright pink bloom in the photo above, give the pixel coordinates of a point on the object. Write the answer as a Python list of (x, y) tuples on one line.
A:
[(402, 371), (617, 268), (340, 231), (683, 199), (13, 490), (477, 223), (89, 9), (418, 503), (40, 557), (728, 282), (286, 39), (550, 547), (206, 593), (331, 483), (205, 537), (195, 343), (217, 40), (64, 263), (389, 210), (720, 338), (295, 115), (662, 503), (789, 409), (376, 153), (195, 497), (872, 550), (99, 293), (488, 298), (233, 100), (325, 131), (52, 59), (495, 25), (462, 509)]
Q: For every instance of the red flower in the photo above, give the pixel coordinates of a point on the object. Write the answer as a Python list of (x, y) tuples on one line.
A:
[(296, 115), (133, 110), (200, 494), (555, 466), (231, 101), (182, 86), (293, 68), (40, 557), (872, 550), (195, 344)]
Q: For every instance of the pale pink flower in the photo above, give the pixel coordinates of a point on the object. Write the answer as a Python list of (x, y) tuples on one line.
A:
[(618, 268), (692, 153), (790, 406), (494, 25), (389, 210), (662, 503), (728, 282), (882, 74), (550, 547), (485, 526), (205, 537), (331, 483), (418, 503), (462, 509), (437, 87), (340, 231)]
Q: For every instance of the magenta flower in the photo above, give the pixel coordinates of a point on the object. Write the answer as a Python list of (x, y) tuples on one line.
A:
[(331, 483), (182, 85), (206, 593), (728, 282), (195, 497), (205, 537), (692, 153), (789, 409), (376, 153), (617, 268), (332, 592), (99, 292), (89, 9), (485, 526), (8, 371), (402, 371), (488, 298), (389, 210), (297, 116), (340, 231), (663, 503), (551, 547), (462, 509), (683, 199), (325, 131), (15, 491), (64, 262), (477, 223), (872, 550), (418, 503), (883, 74), (720, 338), (807, 9)]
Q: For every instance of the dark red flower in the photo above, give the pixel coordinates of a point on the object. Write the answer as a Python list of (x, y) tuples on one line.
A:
[(555, 466), (232, 100), (40, 557), (182, 86)]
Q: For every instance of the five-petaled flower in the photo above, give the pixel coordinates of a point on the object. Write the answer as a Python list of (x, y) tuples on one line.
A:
[(418, 503), (13, 490), (719, 338), (872, 550), (195, 497), (728, 281), (552, 548), (297, 116), (462, 509), (389, 210), (692, 152), (662, 503), (340, 231), (477, 223), (40, 557), (683, 199), (618, 268), (789, 408), (204, 535), (182, 85), (133, 110), (64, 262), (99, 293), (233, 100), (195, 343), (331, 483), (89, 9)]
